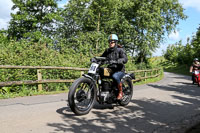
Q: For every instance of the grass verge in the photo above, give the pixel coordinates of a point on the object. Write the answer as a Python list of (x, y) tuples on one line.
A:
[(30, 93), (178, 69)]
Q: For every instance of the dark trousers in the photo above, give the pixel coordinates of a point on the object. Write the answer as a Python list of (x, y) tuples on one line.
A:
[(117, 76)]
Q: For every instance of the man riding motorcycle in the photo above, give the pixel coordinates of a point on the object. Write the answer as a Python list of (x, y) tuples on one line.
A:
[(195, 66), (118, 58)]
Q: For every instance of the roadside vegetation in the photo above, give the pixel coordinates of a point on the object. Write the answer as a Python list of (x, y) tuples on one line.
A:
[(177, 68), (179, 57), (42, 34)]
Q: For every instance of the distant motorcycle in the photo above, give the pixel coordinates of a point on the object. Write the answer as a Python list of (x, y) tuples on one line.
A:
[(98, 85), (196, 77)]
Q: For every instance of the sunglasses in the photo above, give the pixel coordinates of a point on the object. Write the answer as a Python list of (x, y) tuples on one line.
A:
[(111, 41)]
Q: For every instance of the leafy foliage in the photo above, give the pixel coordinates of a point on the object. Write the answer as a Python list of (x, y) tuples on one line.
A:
[(184, 54), (32, 16), (140, 25), (27, 53), (195, 43)]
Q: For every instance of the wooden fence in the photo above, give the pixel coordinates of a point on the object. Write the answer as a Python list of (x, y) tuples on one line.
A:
[(144, 74)]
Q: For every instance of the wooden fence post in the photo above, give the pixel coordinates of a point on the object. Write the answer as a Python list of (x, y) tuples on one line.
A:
[(39, 75), (82, 72), (145, 75)]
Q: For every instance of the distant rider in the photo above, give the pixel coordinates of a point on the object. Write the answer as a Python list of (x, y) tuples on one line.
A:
[(195, 66), (118, 58)]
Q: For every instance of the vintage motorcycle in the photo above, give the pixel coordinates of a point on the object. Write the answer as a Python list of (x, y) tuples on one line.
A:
[(98, 86)]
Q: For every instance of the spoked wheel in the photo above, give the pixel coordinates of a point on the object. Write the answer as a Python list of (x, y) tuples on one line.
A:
[(127, 92), (81, 96)]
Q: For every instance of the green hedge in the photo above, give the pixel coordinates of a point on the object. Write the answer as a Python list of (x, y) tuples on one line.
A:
[(29, 53)]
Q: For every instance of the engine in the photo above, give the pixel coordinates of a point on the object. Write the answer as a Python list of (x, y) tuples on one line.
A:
[(106, 94), (106, 86)]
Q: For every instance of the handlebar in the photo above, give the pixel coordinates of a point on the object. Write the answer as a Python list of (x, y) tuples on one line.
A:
[(103, 60)]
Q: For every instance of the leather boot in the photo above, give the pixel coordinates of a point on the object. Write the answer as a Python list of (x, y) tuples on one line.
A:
[(120, 91)]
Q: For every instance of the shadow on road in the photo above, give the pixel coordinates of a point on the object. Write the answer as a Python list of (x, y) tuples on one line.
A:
[(183, 88), (189, 84), (142, 116)]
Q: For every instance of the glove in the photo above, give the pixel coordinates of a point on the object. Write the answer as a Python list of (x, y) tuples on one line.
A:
[(113, 62), (120, 61)]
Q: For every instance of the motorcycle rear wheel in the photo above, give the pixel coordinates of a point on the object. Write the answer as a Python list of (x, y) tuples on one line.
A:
[(127, 92), (82, 96)]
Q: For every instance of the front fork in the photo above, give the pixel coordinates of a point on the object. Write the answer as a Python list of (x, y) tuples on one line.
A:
[(96, 81)]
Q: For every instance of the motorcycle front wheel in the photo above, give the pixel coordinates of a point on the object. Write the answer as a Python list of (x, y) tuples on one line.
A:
[(82, 95)]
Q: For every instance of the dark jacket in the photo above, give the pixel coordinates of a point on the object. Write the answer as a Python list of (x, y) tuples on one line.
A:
[(118, 55)]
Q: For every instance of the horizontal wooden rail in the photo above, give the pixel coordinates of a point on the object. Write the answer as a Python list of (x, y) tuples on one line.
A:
[(144, 70), (40, 81), (61, 68), (141, 78), (42, 67), (30, 82)]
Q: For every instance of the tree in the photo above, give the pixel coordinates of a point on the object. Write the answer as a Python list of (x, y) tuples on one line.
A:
[(196, 43), (32, 16), (140, 24), (88, 23), (178, 53), (151, 19)]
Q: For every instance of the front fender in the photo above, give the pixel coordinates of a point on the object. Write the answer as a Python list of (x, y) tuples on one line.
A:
[(88, 76)]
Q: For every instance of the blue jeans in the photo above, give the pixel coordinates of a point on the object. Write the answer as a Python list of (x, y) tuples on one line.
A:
[(117, 76)]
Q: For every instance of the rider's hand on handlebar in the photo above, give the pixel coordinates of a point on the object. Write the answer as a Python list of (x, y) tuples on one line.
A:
[(93, 60)]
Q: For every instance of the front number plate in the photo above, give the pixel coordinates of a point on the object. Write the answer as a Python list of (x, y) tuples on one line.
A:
[(93, 68)]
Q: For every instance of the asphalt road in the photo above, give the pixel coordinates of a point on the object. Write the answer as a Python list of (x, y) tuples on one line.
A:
[(168, 106)]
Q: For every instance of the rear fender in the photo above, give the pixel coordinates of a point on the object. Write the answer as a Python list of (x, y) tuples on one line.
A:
[(130, 75)]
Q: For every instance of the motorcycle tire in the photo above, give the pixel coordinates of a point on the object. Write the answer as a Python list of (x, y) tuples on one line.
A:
[(127, 92), (78, 95)]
